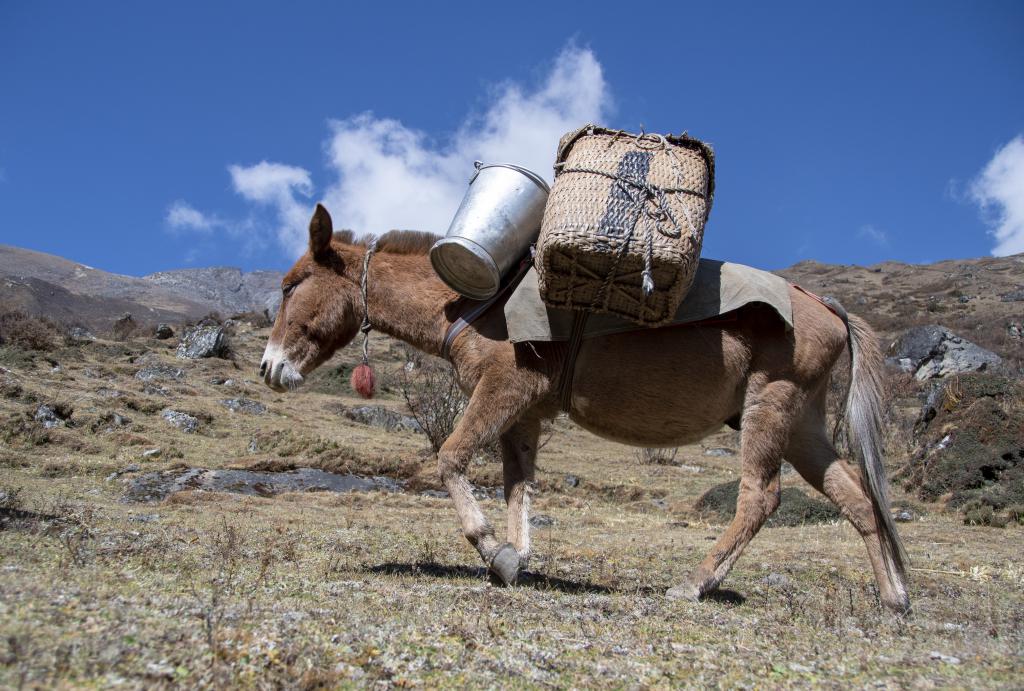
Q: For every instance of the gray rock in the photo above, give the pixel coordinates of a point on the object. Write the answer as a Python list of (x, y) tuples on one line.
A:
[(719, 451), (163, 332), (244, 405), (775, 580), (144, 517), (963, 299), (942, 657), (935, 351), (183, 421), (150, 454), (542, 521), (378, 416), (159, 485), (80, 334), (904, 516), (49, 417), (1013, 295), (572, 481), (435, 493), (1015, 330), (160, 373), (203, 342), (132, 468)]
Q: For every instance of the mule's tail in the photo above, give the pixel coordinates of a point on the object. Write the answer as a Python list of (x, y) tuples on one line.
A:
[(864, 427)]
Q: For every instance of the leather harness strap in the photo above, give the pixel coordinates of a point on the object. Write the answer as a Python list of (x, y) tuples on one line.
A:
[(479, 308), (579, 325)]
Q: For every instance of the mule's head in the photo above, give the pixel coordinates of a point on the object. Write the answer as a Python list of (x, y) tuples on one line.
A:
[(321, 309)]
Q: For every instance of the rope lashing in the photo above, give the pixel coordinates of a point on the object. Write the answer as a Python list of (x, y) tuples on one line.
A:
[(652, 203), (366, 327), (362, 376)]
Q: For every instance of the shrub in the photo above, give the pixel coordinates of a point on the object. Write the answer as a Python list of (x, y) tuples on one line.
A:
[(977, 513), (649, 456), (124, 328), (10, 498), (433, 395), (795, 507), (26, 332)]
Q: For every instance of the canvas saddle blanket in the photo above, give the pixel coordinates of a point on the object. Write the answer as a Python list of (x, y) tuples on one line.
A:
[(718, 288)]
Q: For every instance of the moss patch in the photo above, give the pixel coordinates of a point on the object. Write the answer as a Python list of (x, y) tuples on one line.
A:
[(795, 507), (972, 452)]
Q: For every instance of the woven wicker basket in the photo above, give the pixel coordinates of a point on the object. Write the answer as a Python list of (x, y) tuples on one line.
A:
[(623, 225)]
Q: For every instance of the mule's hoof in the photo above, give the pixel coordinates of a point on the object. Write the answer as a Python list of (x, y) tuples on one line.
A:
[(683, 592), (505, 564)]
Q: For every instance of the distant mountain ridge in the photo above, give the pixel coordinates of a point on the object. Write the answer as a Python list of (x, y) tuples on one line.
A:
[(52, 286), (980, 299)]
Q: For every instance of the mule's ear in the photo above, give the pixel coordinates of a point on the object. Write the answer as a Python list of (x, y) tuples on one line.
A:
[(321, 228)]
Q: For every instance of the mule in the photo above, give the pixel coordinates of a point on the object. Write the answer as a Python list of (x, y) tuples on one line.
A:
[(661, 387)]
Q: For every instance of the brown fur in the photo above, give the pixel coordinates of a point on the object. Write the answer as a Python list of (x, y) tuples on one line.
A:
[(691, 380)]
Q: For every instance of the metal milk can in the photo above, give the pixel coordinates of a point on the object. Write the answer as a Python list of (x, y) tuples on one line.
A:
[(498, 220)]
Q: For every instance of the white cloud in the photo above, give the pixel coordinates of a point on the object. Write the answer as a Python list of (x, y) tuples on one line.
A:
[(999, 191), (874, 234), (276, 185), (183, 216), (384, 174), (392, 176)]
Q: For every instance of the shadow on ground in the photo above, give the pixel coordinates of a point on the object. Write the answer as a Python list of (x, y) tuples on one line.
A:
[(527, 579)]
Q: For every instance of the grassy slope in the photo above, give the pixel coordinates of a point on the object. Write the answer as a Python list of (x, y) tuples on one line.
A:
[(335, 589)]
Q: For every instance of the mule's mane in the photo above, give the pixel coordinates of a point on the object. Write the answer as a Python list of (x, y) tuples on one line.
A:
[(393, 241)]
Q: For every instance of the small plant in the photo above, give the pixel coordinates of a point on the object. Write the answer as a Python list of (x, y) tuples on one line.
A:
[(10, 498), (1016, 513), (657, 456)]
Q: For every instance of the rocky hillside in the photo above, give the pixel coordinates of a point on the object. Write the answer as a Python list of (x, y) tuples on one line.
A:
[(230, 288), (979, 299), (70, 292)]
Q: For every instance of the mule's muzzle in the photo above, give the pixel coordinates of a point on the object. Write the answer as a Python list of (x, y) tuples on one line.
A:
[(278, 372)]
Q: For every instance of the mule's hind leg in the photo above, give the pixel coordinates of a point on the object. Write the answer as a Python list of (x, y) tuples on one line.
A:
[(812, 454), (767, 419), (518, 454)]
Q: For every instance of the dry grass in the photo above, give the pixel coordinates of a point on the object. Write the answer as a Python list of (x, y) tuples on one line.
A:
[(317, 589)]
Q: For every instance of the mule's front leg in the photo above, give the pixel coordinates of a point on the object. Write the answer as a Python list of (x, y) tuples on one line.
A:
[(492, 407)]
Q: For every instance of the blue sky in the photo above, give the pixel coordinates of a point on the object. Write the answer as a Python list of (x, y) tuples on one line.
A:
[(136, 137)]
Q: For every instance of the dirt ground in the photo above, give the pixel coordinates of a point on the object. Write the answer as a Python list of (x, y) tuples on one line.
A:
[(321, 589)]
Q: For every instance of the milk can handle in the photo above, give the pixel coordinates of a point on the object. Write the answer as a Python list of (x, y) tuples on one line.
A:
[(478, 166)]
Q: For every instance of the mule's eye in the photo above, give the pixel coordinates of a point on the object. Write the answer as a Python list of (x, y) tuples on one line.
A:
[(288, 289)]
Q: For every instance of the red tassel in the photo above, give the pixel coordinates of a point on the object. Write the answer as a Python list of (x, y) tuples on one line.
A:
[(363, 380)]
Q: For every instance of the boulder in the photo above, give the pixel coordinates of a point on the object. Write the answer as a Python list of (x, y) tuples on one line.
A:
[(79, 334), (160, 373), (935, 351), (203, 342), (163, 332), (378, 416), (1013, 295), (244, 405), (48, 417), (183, 421)]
